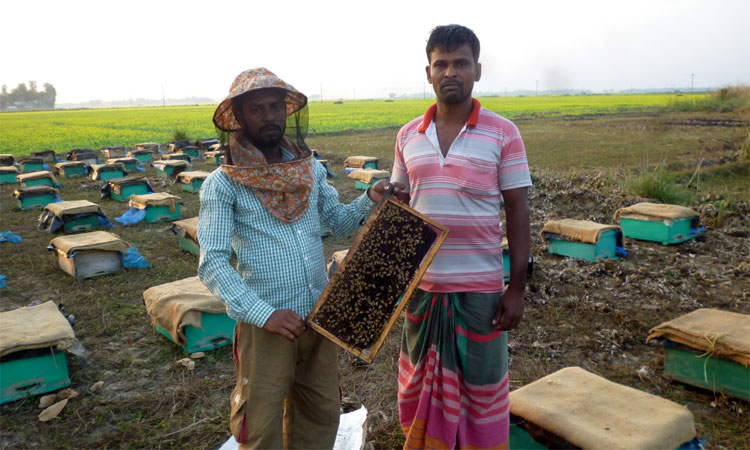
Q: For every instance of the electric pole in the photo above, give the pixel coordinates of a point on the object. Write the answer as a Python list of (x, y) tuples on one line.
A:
[(163, 99), (537, 88), (692, 78)]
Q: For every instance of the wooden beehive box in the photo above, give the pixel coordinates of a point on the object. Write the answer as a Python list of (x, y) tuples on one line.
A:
[(72, 169), (582, 239), (377, 278), (8, 174)]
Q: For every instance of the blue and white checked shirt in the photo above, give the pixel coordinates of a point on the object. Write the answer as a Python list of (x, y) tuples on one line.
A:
[(280, 265)]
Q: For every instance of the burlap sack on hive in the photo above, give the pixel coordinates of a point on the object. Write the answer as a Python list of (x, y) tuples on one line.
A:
[(591, 412), (188, 226), (72, 207), (655, 212), (189, 176), (34, 327), (366, 175), (95, 240), (180, 303), (155, 199), (577, 230), (722, 334), (358, 161), (36, 175)]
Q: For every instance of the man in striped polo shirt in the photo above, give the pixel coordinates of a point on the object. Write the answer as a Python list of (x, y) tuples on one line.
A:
[(460, 163)]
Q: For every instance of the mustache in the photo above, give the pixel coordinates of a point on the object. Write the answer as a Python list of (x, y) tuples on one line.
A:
[(270, 127), (448, 83)]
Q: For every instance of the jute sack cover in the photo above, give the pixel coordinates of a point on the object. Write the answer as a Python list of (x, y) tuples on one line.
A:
[(655, 212), (34, 190), (34, 327), (139, 151), (72, 207), (36, 176), (100, 168), (577, 230), (154, 199), (358, 161), (189, 227), (593, 413), (180, 303), (62, 165), (187, 177), (171, 163), (8, 169), (366, 175), (95, 240), (722, 334), (122, 160)]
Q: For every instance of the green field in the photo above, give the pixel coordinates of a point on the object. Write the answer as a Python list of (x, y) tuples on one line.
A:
[(25, 132)]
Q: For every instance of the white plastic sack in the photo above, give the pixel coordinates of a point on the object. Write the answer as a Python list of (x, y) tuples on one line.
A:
[(350, 436)]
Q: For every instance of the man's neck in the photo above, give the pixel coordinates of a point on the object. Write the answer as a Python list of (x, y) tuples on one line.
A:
[(273, 155), (453, 114)]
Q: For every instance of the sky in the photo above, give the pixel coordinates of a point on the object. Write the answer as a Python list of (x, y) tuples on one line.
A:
[(116, 50)]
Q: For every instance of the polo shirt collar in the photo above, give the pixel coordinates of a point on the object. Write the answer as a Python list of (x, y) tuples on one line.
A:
[(430, 114)]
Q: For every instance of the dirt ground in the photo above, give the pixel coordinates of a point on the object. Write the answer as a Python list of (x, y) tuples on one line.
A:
[(593, 315)]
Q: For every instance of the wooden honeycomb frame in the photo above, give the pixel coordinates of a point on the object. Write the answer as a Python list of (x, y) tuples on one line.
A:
[(403, 283)]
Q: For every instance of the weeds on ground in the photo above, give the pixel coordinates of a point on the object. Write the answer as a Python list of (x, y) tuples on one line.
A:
[(726, 99), (657, 184), (179, 135)]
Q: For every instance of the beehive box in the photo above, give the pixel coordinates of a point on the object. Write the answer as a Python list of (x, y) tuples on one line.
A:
[(668, 224), (582, 239), (105, 172), (573, 408), (142, 155), (152, 147), (47, 156), (159, 206), (38, 178), (88, 255), (709, 349), (191, 150), (377, 278), (114, 152), (215, 156), (8, 174), (72, 169), (177, 157), (192, 181), (32, 360), (122, 188), (85, 155), (6, 159), (72, 216), (175, 146), (30, 164), (189, 315), (187, 234), (35, 197), (129, 163), (168, 168), (361, 162), (365, 178)]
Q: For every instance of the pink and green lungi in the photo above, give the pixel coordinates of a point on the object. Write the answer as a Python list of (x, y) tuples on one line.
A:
[(453, 373)]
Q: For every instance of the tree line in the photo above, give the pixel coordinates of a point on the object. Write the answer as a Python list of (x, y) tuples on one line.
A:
[(28, 97)]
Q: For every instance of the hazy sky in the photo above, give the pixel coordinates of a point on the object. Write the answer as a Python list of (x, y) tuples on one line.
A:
[(113, 50)]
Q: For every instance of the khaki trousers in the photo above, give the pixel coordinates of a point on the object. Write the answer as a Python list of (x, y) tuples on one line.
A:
[(287, 393)]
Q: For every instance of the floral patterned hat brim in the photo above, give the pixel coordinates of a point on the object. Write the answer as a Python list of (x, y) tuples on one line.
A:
[(250, 80)]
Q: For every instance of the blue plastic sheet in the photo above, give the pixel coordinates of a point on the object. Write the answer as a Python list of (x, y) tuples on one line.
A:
[(45, 166), (2, 281), (9, 236), (698, 230), (132, 216), (104, 221), (621, 251), (134, 260), (140, 169)]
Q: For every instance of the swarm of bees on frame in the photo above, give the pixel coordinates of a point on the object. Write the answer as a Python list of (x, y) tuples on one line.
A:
[(362, 297)]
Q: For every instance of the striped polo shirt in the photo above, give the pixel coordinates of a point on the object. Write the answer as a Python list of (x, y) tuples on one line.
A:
[(463, 192)]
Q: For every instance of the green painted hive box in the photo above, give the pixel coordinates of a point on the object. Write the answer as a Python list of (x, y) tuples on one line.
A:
[(72, 169), (143, 156), (167, 168), (189, 315), (31, 167), (35, 197), (129, 164), (187, 234), (38, 182), (106, 172), (582, 239), (573, 408), (365, 178), (708, 348), (192, 151), (159, 206), (192, 181), (32, 357), (124, 192), (361, 162), (8, 174), (86, 222), (668, 224), (71, 217)]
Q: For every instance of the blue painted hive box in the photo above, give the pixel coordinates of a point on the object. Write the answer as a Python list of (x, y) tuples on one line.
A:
[(709, 349), (121, 189), (361, 162), (142, 155), (88, 255), (32, 357), (159, 206), (364, 178), (129, 163), (35, 197), (188, 314), (192, 181), (105, 172), (72, 169), (39, 178), (167, 167), (582, 239), (187, 234), (71, 217), (8, 174), (668, 224), (573, 408)]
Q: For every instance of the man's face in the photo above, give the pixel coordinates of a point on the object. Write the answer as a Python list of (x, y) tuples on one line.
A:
[(452, 74), (263, 117)]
